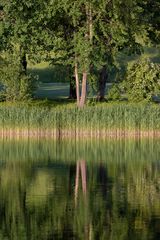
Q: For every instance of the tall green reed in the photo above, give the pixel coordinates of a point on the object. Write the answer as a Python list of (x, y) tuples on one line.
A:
[(107, 117)]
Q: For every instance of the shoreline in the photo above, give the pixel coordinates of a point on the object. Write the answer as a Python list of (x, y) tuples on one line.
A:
[(77, 133)]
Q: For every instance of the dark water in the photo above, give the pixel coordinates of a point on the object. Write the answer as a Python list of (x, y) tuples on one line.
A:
[(105, 190)]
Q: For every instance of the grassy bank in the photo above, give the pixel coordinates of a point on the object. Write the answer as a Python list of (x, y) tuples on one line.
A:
[(102, 119)]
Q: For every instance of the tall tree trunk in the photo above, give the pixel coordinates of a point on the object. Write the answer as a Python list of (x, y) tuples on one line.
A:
[(90, 24), (77, 83), (103, 75), (84, 90), (23, 60), (24, 63), (72, 87), (81, 95)]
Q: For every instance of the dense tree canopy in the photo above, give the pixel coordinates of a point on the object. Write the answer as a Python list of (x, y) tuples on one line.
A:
[(85, 35)]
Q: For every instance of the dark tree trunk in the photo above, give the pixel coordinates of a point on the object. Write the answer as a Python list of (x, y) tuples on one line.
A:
[(24, 63), (103, 75), (72, 87)]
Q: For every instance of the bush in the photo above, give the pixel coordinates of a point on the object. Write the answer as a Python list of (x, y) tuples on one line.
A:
[(114, 92), (16, 85), (142, 80)]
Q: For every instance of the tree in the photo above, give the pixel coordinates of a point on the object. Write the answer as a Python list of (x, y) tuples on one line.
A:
[(150, 18), (85, 34), (19, 38)]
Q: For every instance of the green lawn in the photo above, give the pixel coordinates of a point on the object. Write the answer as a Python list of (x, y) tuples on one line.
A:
[(52, 91), (57, 73), (48, 74), (54, 80)]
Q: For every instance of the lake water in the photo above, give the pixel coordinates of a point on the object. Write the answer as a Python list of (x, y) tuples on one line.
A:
[(102, 190)]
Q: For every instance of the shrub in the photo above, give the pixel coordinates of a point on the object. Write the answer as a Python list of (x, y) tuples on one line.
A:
[(114, 92), (16, 85), (142, 80)]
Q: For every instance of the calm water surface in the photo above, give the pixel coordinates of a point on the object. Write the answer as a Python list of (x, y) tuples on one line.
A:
[(102, 190)]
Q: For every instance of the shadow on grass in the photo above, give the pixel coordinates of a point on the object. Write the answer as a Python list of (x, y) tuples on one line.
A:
[(52, 91), (52, 74), (49, 103)]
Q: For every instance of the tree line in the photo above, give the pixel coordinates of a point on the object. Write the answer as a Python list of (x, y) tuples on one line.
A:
[(85, 36)]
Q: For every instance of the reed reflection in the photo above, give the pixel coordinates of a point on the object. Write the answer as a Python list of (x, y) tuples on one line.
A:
[(108, 198)]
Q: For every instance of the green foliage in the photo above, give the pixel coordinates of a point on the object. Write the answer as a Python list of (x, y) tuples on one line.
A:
[(142, 80), (114, 93), (15, 84), (90, 33), (151, 19), (50, 74)]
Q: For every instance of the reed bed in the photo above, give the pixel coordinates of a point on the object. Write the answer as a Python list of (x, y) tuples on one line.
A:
[(108, 119)]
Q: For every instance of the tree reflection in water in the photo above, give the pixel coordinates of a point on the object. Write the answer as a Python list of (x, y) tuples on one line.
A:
[(115, 197), (81, 171)]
